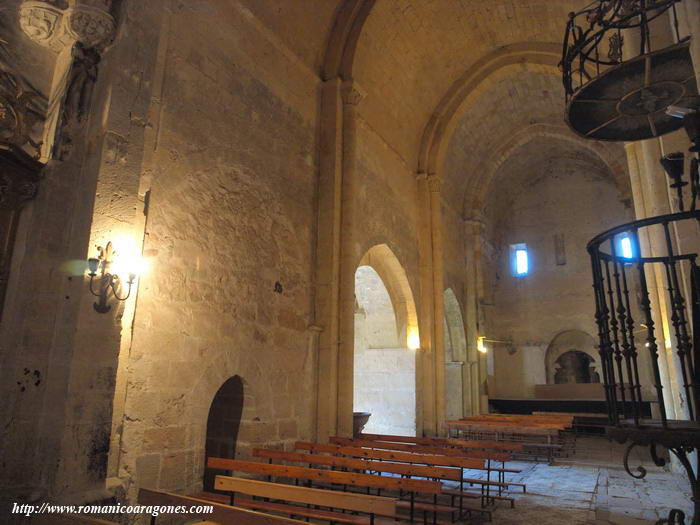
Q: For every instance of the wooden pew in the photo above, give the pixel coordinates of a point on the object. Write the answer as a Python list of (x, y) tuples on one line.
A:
[(222, 514), (455, 443), (334, 477), (403, 469), (536, 436), (407, 457), (293, 495), (441, 451), (559, 421), (424, 449)]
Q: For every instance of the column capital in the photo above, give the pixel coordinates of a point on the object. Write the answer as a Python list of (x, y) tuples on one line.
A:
[(86, 21), (433, 180), (351, 93), (476, 220)]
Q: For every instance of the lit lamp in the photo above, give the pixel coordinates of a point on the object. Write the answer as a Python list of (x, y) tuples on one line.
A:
[(108, 280), (413, 339), (480, 344)]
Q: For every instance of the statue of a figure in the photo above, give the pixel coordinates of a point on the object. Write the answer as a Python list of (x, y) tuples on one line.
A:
[(76, 99), (81, 79)]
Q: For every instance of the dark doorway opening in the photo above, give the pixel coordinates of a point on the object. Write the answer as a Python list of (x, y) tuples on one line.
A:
[(223, 424), (575, 367)]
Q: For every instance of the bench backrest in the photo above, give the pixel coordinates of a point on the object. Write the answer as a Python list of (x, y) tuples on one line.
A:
[(406, 469), (422, 449), (327, 476), (392, 455), (557, 422), (296, 494), (449, 442), (504, 426), (223, 514)]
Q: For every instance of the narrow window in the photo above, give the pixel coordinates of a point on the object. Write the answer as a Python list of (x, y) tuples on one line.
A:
[(519, 259), (625, 246)]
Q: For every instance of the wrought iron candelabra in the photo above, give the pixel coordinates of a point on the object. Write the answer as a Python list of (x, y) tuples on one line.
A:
[(108, 282)]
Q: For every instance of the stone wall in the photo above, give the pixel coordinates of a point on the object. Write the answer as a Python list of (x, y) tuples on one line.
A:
[(229, 233), (528, 312)]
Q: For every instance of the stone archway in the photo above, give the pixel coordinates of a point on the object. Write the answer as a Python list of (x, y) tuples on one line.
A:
[(385, 344), (563, 352), (455, 356), (223, 424)]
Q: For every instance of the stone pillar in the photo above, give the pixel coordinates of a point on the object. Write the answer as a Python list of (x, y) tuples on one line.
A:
[(92, 192), (473, 229), (349, 258), (328, 257), (648, 197), (426, 393), (436, 224)]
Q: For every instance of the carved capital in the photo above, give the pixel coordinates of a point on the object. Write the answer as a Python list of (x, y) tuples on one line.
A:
[(42, 22), (90, 25), (434, 183), (352, 93), (87, 22)]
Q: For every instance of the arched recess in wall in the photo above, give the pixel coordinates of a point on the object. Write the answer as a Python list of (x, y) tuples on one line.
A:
[(386, 339), (566, 342), (455, 356), (223, 424)]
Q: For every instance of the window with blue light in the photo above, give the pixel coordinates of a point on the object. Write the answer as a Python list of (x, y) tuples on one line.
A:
[(520, 260), (625, 246)]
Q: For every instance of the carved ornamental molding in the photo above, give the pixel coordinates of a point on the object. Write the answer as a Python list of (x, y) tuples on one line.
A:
[(87, 22), (352, 93)]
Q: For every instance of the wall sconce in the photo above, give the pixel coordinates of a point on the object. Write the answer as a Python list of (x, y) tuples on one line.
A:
[(108, 281), (481, 344)]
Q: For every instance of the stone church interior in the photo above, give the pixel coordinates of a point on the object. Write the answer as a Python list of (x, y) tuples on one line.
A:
[(349, 261)]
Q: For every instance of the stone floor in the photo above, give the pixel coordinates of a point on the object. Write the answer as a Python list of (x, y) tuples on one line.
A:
[(591, 487)]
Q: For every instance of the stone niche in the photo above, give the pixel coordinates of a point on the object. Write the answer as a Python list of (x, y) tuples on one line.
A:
[(572, 368)]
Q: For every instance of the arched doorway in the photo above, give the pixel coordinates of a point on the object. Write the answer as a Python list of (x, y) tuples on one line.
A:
[(223, 424), (386, 337)]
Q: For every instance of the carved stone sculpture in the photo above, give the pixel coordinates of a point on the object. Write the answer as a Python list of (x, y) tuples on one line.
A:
[(87, 21), (76, 101)]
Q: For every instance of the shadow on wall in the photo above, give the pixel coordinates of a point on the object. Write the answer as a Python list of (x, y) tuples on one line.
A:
[(223, 424), (572, 358)]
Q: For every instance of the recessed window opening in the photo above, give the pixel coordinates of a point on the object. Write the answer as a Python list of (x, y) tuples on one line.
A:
[(625, 246), (520, 260)]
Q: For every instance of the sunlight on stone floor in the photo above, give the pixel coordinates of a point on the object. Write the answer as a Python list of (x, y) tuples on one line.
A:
[(593, 488)]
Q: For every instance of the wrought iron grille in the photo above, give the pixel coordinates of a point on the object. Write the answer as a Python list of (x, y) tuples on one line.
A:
[(647, 309), (595, 36), (628, 325)]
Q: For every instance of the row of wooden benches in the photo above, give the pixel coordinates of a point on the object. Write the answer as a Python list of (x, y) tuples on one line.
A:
[(546, 435), (389, 467), (406, 474)]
